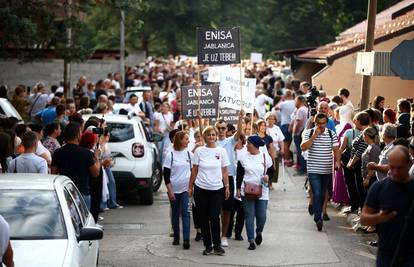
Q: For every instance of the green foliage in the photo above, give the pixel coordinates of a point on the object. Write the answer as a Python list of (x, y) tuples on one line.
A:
[(163, 27), (43, 24)]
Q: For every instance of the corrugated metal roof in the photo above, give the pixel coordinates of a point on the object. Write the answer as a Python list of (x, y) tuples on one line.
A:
[(352, 40)]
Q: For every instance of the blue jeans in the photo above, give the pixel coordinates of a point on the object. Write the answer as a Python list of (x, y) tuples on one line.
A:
[(254, 208), (111, 188), (318, 182), (87, 199), (302, 162), (180, 206)]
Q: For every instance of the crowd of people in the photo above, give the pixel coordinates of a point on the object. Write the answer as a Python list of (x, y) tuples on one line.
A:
[(219, 173)]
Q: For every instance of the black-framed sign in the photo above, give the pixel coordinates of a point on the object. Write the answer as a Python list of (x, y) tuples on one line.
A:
[(218, 46), (209, 101)]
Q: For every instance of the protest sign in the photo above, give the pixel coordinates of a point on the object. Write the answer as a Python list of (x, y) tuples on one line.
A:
[(230, 116), (209, 95), (256, 57), (214, 73), (218, 46), (230, 96)]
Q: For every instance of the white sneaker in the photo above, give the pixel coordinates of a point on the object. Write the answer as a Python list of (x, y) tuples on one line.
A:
[(224, 242)]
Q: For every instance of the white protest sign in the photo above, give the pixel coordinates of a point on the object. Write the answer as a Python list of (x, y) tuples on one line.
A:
[(230, 96), (214, 73), (256, 57)]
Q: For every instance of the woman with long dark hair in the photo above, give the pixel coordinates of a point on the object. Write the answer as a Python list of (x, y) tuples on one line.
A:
[(177, 170)]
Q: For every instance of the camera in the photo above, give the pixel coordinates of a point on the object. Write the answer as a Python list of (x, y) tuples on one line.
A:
[(311, 100), (100, 131)]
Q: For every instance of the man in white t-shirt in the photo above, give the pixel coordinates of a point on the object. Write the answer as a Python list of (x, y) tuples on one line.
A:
[(6, 251), (260, 104), (297, 125), (286, 109), (133, 107), (41, 150), (163, 124), (344, 94)]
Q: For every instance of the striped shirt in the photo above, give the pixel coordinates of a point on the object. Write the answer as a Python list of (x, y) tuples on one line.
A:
[(358, 146), (320, 156)]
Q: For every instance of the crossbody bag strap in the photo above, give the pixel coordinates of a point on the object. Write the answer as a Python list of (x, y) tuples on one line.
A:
[(172, 159), (189, 158), (34, 102), (15, 166)]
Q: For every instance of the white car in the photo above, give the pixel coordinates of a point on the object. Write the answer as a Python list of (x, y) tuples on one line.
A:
[(7, 110), (49, 222), (136, 168)]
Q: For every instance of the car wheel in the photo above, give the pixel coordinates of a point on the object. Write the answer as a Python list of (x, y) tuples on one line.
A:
[(156, 177), (146, 196)]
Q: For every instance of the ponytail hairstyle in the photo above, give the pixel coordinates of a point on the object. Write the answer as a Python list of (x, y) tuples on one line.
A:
[(372, 133)]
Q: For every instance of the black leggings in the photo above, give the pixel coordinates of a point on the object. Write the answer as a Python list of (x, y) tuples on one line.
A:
[(209, 204), (238, 227)]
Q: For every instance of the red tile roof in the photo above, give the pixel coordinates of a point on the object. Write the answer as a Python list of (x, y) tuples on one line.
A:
[(353, 39)]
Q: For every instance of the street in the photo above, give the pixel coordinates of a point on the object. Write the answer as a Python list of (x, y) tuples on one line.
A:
[(139, 236)]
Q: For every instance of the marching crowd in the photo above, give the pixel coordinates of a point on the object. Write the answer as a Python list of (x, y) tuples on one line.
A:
[(222, 174)]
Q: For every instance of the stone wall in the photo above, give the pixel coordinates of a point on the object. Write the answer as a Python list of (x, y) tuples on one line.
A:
[(50, 72)]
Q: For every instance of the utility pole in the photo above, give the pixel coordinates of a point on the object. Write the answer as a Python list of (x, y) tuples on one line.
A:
[(369, 46), (66, 63), (122, 50)]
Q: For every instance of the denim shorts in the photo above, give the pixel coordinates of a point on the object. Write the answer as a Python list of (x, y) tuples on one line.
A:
[(285, 131)]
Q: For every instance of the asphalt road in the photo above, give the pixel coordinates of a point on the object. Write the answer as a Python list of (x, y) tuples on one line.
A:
[(139, 236)]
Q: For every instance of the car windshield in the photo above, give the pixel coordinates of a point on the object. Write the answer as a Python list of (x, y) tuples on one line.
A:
[(32, 214), (120, 132)]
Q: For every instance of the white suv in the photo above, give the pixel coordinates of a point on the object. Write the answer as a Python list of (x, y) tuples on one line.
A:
[(136, 167)]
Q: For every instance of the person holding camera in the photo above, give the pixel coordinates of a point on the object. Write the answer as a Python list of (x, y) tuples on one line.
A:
[(76, 162), (253, 175), (320, 142)]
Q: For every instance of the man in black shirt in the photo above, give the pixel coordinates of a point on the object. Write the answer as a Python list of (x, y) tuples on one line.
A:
[(76, 162), (387, 207)]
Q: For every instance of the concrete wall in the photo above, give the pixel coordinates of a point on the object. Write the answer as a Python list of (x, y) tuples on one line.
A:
[(50, 72), (342, 74)]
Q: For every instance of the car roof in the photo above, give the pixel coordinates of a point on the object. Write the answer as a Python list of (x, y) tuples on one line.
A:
[(138, 88), (112, 117), (29, 181)]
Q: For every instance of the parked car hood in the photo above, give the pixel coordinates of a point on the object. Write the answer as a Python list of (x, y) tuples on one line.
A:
[(43, 253)]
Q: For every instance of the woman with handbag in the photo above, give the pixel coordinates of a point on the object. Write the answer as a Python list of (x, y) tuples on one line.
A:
[(177, 169), (208, 175), (252, 187)]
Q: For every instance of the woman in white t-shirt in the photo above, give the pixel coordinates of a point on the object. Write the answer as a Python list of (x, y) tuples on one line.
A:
[(252, 168), (177, 171), (208, 175), (274, 131)]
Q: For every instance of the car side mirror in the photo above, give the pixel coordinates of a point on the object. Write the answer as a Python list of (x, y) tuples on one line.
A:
[(90, 233)]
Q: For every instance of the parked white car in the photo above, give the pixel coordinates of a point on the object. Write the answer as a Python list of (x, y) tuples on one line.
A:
[(136, 168), (49, 222), (7, 110)]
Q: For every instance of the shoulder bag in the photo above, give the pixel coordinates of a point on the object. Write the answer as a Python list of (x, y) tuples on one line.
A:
[(254, 191)]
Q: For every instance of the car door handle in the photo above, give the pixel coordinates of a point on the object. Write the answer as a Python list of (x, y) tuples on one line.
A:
[(90, 243)]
